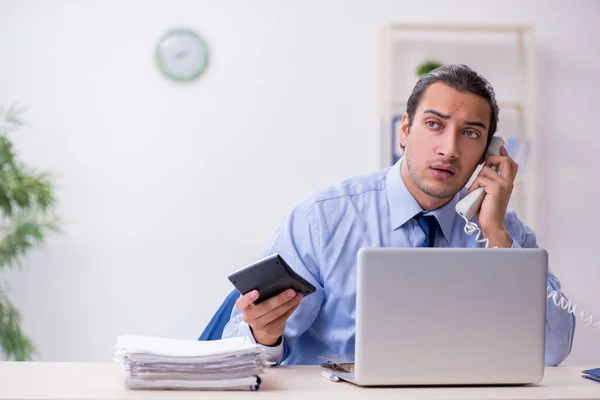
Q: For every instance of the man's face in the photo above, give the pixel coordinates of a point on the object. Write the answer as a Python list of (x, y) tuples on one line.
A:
[(446, 140)]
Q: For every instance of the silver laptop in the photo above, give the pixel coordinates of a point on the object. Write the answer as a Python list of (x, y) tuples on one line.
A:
[(450, 316)]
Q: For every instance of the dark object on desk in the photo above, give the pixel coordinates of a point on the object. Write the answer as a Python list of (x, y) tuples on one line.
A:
[(592, 374), (270, 276), (339, 362)]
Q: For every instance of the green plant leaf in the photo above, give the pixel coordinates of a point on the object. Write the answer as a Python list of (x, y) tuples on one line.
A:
[(13, 115), (21, 235), (15, 344), (26, 205), (427, 66), (7, 156)]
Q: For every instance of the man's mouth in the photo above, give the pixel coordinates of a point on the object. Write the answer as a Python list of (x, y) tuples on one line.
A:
[(442, 171)]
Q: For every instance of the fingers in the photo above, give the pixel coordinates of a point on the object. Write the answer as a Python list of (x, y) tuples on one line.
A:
[(489, 185), (506, 166), (492, 182), (487, 172), (278, 324), (267, 320), (507, 169), (253, 312), (246, 301), (270, 333), (275, 314), (474, 186), (488, 178), (271, 304)]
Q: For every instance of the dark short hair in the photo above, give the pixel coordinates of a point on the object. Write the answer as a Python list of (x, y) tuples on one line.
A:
[(461, 78)]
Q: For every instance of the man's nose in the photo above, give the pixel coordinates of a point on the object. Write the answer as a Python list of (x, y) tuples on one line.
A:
[(448, 146)]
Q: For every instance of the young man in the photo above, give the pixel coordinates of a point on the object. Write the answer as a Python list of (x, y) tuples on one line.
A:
[(451, 116)]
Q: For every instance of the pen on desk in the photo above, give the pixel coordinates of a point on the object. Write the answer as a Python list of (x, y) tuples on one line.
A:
[(329, 376)]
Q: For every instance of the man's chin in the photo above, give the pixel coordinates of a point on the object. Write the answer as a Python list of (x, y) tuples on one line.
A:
[(440, 191)]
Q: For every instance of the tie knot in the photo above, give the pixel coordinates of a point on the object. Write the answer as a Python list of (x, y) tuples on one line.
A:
[(429, 225)]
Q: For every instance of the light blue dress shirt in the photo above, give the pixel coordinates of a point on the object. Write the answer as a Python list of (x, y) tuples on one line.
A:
[(320, 239)]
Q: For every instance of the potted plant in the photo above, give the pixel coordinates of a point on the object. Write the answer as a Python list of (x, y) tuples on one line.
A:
[(26, 216), (427, 66)]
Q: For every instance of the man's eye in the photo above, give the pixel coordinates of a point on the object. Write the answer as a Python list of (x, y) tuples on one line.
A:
[(432, 124), (472, 134)]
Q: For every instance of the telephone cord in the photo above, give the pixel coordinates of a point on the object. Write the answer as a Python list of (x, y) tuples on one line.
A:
[(562, 302)]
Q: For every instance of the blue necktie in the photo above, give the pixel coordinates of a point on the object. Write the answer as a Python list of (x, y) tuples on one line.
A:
[(429, 225)]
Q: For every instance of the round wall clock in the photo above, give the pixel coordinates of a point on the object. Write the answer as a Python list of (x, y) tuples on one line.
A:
[(181, 55)]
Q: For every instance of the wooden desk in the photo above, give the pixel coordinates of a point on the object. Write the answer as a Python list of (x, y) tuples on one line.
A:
[(38, 380)]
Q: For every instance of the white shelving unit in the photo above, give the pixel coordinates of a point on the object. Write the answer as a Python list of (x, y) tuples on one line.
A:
[(503, 54)]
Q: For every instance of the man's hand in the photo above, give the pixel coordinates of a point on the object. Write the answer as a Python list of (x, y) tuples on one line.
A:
[(267, 319), (498, 188)]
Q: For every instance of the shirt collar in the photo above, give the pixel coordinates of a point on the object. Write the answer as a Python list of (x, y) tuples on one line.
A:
[(404, 207)]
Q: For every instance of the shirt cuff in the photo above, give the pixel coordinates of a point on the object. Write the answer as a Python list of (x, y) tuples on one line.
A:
[(274, 353)]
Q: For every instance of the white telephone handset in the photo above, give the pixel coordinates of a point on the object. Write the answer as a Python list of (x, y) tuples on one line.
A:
[(470, 205)]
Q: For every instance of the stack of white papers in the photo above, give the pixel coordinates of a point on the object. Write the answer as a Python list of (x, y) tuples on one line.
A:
[(159, 363)]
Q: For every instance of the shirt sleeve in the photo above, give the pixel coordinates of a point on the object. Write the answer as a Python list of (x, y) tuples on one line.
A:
[(560, 324), (297, 241), (237, 327)]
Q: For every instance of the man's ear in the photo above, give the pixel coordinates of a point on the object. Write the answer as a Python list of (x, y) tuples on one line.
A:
[(404, 130)]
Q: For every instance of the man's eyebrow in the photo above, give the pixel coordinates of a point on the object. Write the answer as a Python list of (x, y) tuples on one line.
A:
[(444, 116), (439, 114), (476, 123)]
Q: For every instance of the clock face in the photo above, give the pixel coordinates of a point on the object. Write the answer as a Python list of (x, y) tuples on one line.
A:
[(181, 55)]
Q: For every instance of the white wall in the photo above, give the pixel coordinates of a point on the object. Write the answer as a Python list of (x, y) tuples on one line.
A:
[(166, 188)]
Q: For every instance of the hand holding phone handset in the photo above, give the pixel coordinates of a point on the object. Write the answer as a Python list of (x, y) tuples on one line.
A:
[(469, 206)]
